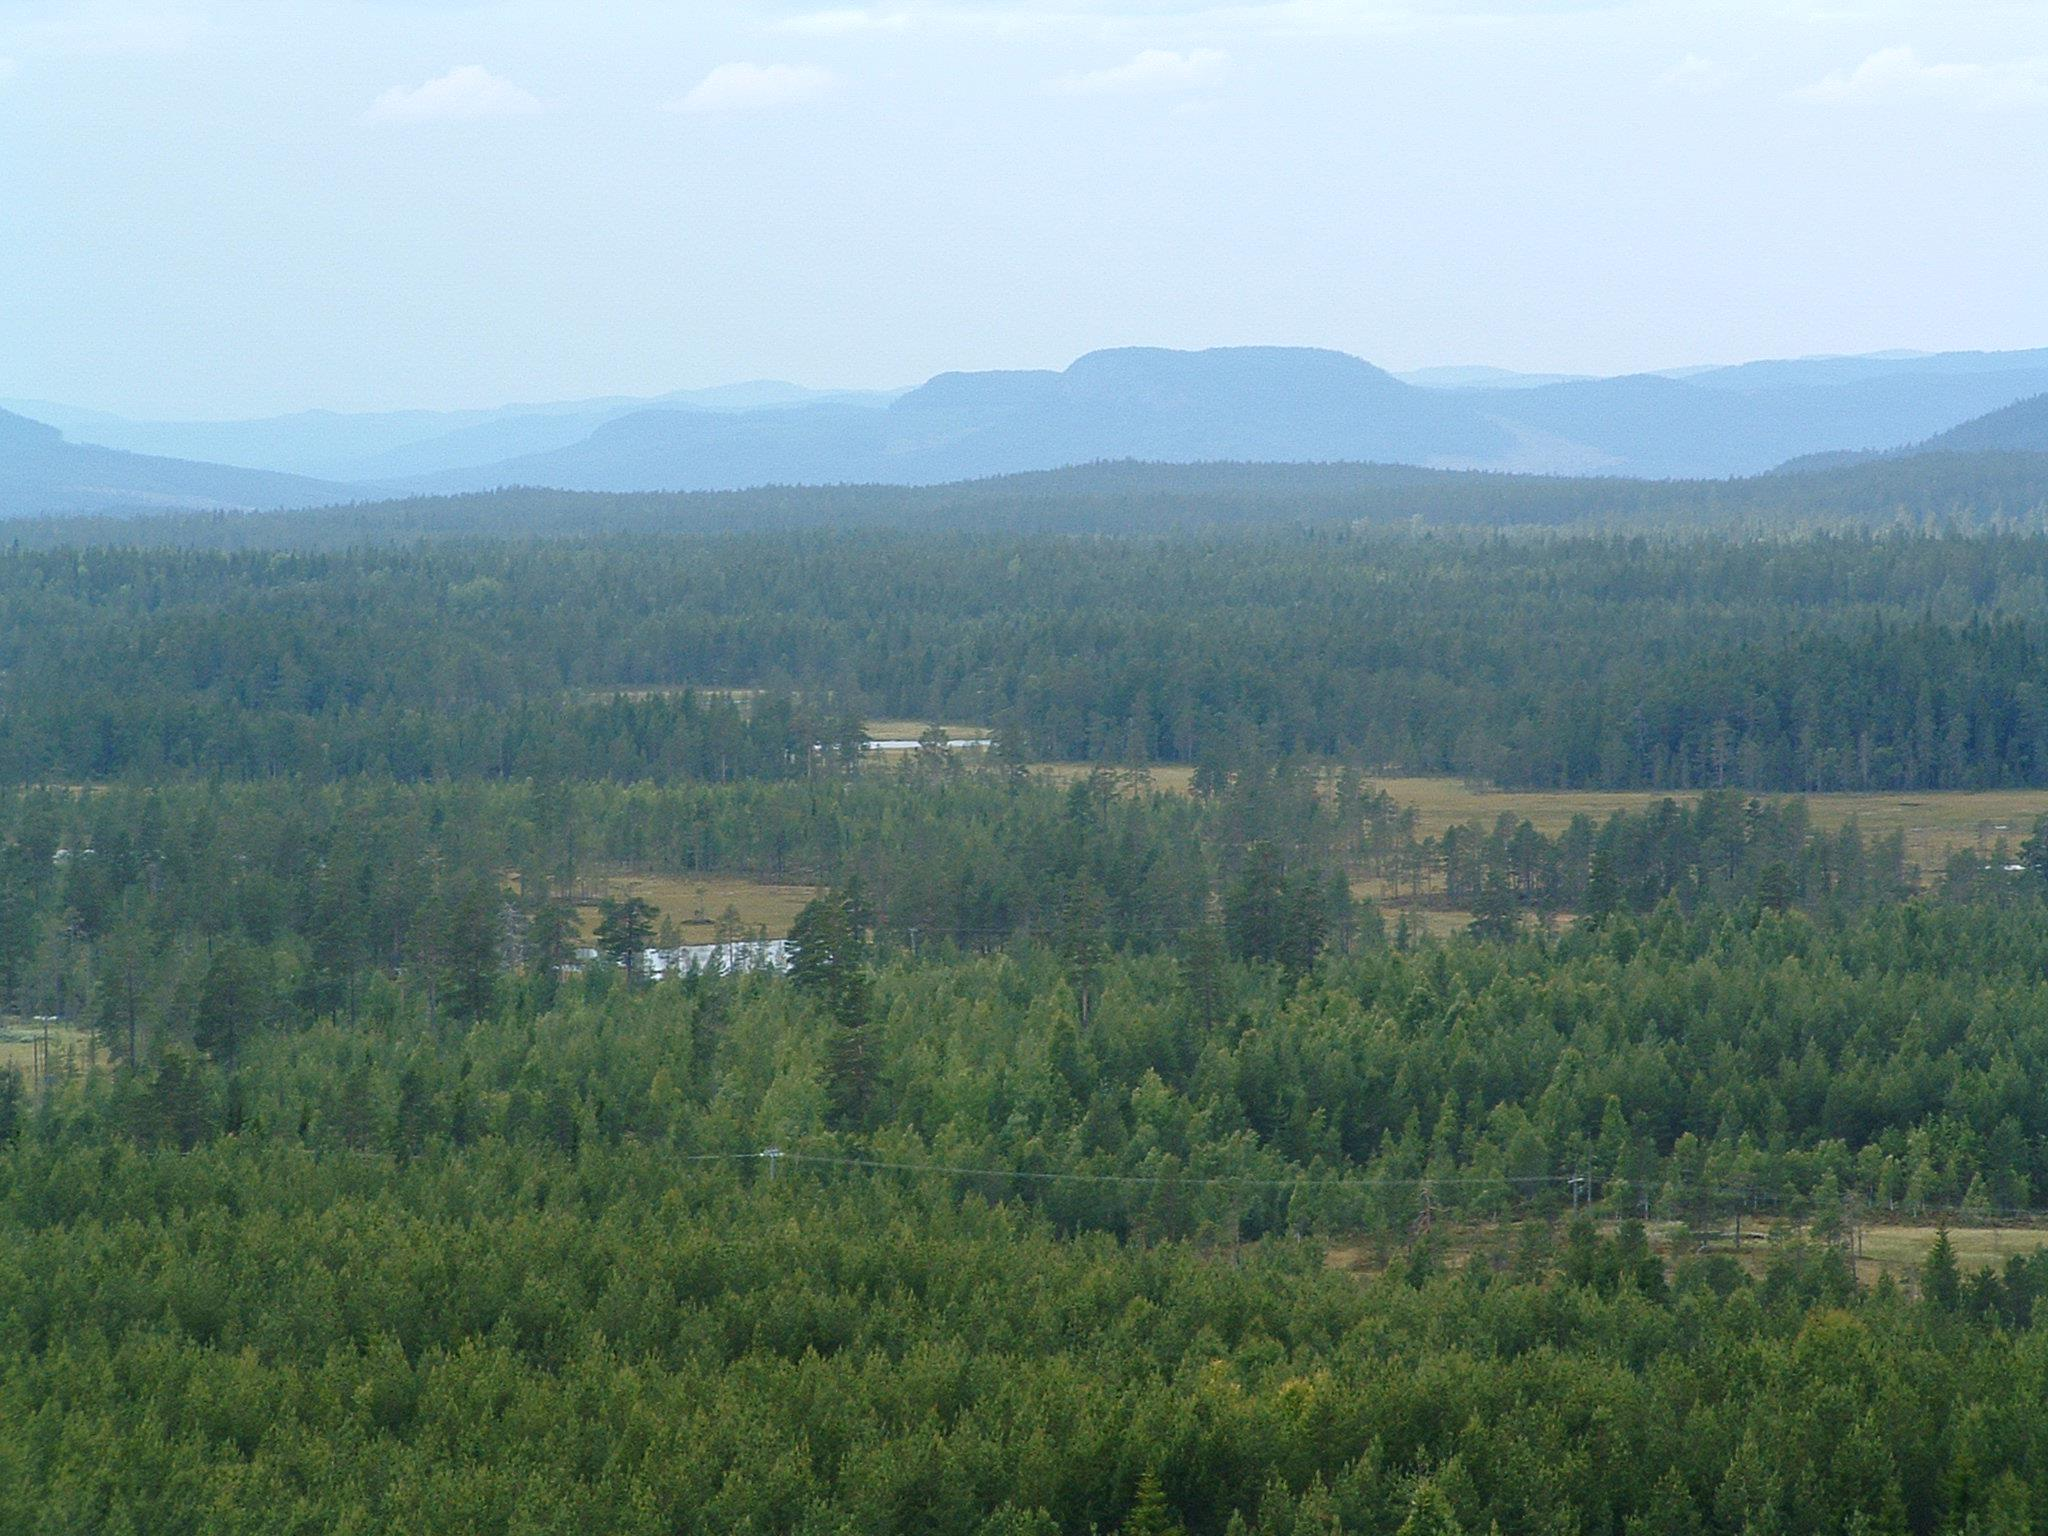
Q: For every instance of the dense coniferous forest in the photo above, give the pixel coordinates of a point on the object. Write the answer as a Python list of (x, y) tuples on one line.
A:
[(1837, 662), (1113, 1155)]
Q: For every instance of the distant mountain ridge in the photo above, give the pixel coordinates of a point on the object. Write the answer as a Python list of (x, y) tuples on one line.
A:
[(1238, 404), (41, 473), (379, 445), (1280, 404)]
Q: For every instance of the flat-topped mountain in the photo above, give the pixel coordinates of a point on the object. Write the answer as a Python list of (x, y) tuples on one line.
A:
[(1273, 405)]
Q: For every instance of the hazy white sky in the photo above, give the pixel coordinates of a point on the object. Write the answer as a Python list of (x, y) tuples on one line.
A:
[(227, 207)]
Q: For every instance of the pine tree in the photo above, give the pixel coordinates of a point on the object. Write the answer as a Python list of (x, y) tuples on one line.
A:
[(1203, 976), (468, 947), (1081, 943), (1495, 915), (1940, 1281), (828, 961), (231, 1002), (624, 928), (1430, 1513), (1150, 1514)]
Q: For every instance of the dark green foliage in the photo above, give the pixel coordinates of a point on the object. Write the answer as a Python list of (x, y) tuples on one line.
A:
[(1835, 662), (1150, 1514), (1204, 976), (1940, 1281), (1084, 943), (828, 946), (470, 943), (1274, 917), (625, 927), (421, 1274), (375, 1213)]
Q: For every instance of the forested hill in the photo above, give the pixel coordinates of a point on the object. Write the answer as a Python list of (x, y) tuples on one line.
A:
[(1935, 490), (2021, 427), (41, 473)]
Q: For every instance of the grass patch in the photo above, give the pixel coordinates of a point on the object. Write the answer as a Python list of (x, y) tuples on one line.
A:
[(22, 1043), (698, 904), (744, 697), (1167, 778), (910, 730), (1899, 1249), (1936, 823)]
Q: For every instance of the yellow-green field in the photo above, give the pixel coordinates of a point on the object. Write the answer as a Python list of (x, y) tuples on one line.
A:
[(1172, 778), (741, 696), (21, 1046), (910, 730), (1899, 1251), (1935, 822), (696, 903), (1436, 922)]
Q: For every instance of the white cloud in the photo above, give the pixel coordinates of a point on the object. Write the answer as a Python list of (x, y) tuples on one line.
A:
[(844, 23), (466, 93), (747, 87), (1693, 75), (1154, 70), (1899, 74)]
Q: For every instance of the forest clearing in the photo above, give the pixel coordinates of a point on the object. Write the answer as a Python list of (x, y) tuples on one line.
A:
[(24, 1042), (1935, 823), (1880, 1248), (701, 906)]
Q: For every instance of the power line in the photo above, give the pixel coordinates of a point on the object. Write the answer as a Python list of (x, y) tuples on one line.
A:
[(1594, 1186)]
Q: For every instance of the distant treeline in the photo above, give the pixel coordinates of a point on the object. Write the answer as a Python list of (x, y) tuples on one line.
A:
[(1838, 662), (1927, 491)]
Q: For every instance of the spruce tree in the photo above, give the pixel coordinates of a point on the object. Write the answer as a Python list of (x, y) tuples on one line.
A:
[(1940, 1280)]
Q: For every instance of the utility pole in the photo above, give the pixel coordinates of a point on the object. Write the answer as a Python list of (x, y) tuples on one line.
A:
[(774, 1157)]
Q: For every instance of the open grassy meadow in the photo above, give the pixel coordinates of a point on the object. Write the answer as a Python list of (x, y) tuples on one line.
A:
[(1899, 1249), (1935, 822), (1172, 778), (22, 1042), (697, 904), (1896, 1250), (744, 697)]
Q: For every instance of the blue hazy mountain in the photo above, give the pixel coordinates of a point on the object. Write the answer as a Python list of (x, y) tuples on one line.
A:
[(42, 473), (1278, 404), (2021, 427), (1267, 404), (383, 445)]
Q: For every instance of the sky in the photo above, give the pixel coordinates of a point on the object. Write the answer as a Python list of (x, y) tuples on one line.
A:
[(218, 208)]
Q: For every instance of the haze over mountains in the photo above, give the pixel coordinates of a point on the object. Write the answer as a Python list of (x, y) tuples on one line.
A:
[(1265, 404), (41, 473)]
